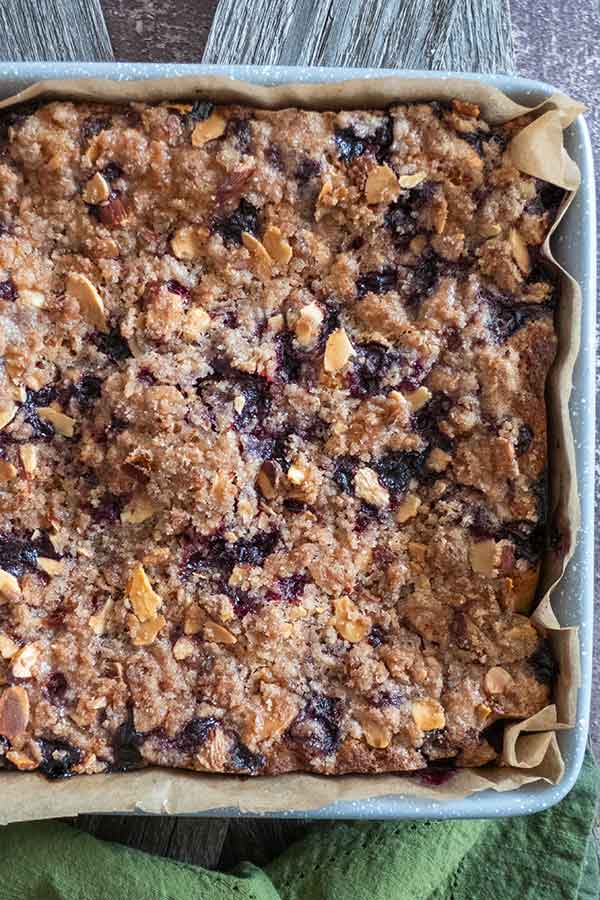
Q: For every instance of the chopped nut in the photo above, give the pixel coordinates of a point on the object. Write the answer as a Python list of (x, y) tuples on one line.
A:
[(9, 587), (411, 181), (338, 351), (519, 250), (50, 566), (497, 680), (209, 130), (7, 413), (490, 231), (419, 397), (523, 586), (183, 648), (417, 552), (308, 324), (348, 621), (96, 190), (408, 508), (267, 480), (194, 620), (14, 712), (23, 762), (62, 424), (287, 630), (90, 302), (368, 488), (376, 734), (276, 323), (438, 460), (98, 621), (188, 242), (32, 298), (196, 323), (239, 402), (276, 246), (296, 474), (382, 185), (483, 557), (428, 714), (483, 712), (418, 244), (145, 633), (256, 249), (139, 509), (218, 634), (144, 601), (7, 471), (29, 457), (8, 648), (24, 660)]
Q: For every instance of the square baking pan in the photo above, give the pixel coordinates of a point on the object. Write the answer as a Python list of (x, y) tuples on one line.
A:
[(574, 247)]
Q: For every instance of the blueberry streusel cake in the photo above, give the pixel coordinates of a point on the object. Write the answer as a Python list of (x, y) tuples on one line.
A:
[(273, 437)]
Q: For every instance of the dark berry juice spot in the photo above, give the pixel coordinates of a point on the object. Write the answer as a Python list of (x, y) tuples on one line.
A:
[(289, 589), (376, 636), (344, 473), (308, 169), (243, 760), (505, 318), (350, 146), (125, 745), (274, 157), (290, 358), (194, 734), (240, 130), (371, 363), (19, 553), (257, 401), (56, 688), (401, 216), (428, 419), (317, 727), (175, 287), (112, 344), (395, 470), (377, 282), (524, 439), (218, 555), (92, 126), (8, 290), (201, 110), (108, 510), (245, 218), (87, 390), (112, 171), (543, 663), (58, 758)]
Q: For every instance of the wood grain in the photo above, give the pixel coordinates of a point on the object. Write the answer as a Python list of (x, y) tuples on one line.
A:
[(53, 30), (159, 30)]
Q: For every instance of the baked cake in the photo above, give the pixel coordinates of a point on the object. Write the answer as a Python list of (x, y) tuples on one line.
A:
[(273, 437)]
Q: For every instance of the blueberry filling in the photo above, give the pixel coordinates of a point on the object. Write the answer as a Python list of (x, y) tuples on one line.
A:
[(243, 760), (395, 470), (194, 734), (543, 663), (401, 216), (58, 758), (524, 439), (56, 688), (307, 170), (125, 745), (377, 282), (372, 363), (240, 130), (317, 727), (289, 589), (19, 553), (350, 145), (201, 110), (8, 290), (344, 472), (112, 344), (217, 554), (92, 126), (112, 171), (231, 227), (427, 422), (87, 390)]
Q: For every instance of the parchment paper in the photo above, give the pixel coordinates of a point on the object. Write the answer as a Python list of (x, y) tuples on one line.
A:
[(530, 751)]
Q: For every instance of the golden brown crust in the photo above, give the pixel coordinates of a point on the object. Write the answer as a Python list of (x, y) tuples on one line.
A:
[(273, 437)]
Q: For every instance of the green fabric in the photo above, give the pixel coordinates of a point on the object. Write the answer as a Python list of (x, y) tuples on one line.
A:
[(547, 856)]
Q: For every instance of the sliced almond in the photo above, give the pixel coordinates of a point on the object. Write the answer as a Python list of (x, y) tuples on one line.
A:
[(145, 633), (338, 351), (32, 298), (417, 551), (196, 323), (183, 648), (96, 190), (438, 460), (8, 472), (484, 558), (23, 762), (257, 250), (276, 245), (308, 324), (61, 423), (348, 621), (24, 660), (428, 714), (29, 457), (50, 566), (296, 474), (376, 734), (209, 130), (497, 680), (8, 647), (98, 621), (14, 712), (368, 488), (411, 181), (490, 231), (276, 323), (144, 600), (218, 634), (139, 509), (194, 620), (407, 509), (382, 185), (483, 712), (7, 413), (9, 587), (519, 251), (419, 398), (268, 478), (188, 242), (239, 402), (90, 302)]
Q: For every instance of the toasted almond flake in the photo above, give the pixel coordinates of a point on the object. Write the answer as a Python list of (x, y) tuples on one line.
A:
[(268, 478), (376, 734), (520, 251), (50, 566), (382, 185), (368, 488), (23, 762), (484, 557), (428, 714), (98, 621), (418, 244), (308, 324), (348, 621), (96, 190), (209, 130), (438, 460), (255, 247), (9, 587), (338, 351), (490, 231), (497, 680), (276, 246), (188, 242), (8, 648), (417, 551), (194, 620), (183, 648), (276, 323), (522, 589), (218, 634), (298, 612), (411, 181), (91, 305), (7, 471), (14, 712), (196, 323), (62, 424), (29, 457), (296, 474), (483, 712), (7, 413), (408, 508), (239, 402), (287, 630), (145, 633), (24, 660), (144, 600), (138, 510), (419, 397), (32, 298)]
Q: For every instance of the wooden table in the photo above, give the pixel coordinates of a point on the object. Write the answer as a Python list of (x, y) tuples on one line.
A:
[(552, 41)]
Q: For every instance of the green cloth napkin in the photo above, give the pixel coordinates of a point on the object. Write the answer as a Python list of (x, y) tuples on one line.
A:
[(547, 856)]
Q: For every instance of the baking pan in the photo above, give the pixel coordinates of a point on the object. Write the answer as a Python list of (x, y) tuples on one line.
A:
[(574, 247)]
